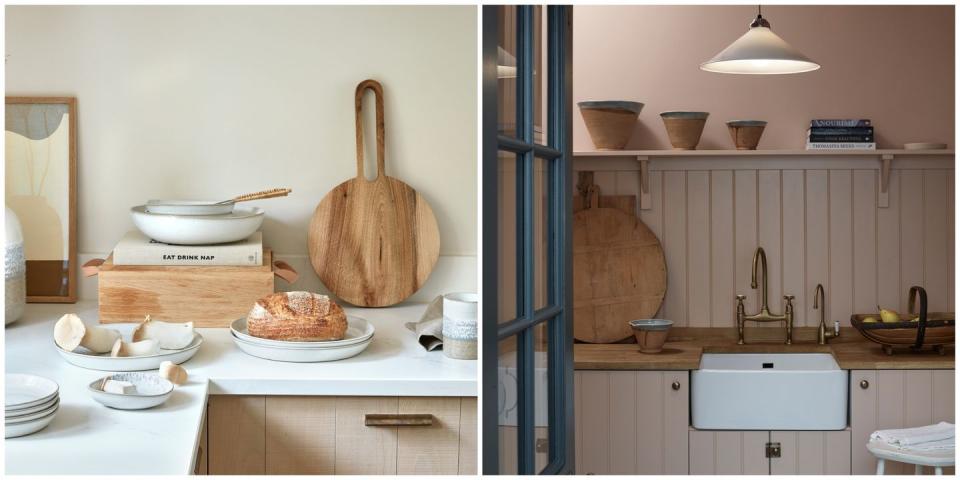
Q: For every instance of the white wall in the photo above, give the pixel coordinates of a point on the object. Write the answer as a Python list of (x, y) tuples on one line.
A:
[(208, 102)]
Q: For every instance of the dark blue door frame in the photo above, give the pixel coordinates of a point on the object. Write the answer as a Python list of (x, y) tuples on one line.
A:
[(558, 312)]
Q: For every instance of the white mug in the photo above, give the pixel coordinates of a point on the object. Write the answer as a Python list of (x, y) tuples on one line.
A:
[(460, 325)]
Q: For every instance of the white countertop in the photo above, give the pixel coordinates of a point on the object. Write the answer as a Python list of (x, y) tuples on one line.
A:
[(88, 438)]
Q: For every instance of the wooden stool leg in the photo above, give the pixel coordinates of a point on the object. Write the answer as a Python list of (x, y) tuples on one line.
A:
[(938, 470), (880, 466), (918, 469)]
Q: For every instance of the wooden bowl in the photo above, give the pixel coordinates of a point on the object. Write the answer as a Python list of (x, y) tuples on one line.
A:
[(684, 128), (651, 334), (610, 123), (903, 334), (746, 133)]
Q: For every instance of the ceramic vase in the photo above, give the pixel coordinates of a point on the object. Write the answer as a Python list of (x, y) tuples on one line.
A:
[(15, 268), (460, 325)]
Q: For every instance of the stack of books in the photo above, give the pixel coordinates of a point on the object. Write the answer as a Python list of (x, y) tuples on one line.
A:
[(841, 134), (136, 248)]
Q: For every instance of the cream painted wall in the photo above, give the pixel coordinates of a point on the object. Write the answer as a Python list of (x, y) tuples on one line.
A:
[(208, 102), (893, 64)]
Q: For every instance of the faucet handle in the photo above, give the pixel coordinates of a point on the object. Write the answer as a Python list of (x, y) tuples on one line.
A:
[(788, 298)]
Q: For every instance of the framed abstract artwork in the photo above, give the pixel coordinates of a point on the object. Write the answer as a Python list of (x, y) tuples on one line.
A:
[(41, 188)]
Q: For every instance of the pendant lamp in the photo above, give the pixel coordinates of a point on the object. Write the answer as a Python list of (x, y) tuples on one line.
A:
[(759, 52)]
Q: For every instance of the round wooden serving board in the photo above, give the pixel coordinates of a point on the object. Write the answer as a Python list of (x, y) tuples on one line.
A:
[(373, 243), (619, 273)]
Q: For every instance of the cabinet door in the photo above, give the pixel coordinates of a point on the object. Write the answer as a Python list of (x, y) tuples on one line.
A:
[(300, 435), (468, 436), (812, 453), (432, 450), (361, 449), (882, 399), (236, 435), (728, 452), (632, 422)]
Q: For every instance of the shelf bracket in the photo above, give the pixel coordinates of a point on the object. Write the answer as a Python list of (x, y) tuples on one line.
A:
[(644, 182), (883, 197)]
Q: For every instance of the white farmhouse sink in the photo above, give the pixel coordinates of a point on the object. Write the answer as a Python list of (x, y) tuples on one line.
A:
[(760, 391)]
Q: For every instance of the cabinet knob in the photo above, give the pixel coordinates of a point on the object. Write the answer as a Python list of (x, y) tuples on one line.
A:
[(864, 384), (676, 385)]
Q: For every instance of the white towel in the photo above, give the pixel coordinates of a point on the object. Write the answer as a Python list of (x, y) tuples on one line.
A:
[(930, 437)]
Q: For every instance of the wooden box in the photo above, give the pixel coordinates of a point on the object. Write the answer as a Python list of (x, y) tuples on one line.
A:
[(209, 296)]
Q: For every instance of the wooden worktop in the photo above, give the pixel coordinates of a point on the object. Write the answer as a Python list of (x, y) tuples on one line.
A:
[(685, 346)]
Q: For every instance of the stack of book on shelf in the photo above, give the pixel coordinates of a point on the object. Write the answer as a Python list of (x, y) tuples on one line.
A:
[(840, 134), (136, 248)]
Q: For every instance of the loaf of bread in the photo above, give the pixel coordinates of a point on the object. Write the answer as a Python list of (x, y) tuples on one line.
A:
[(297, 316)]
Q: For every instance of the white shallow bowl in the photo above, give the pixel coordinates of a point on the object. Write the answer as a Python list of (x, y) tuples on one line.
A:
[(16, 412), (298, 354), (152, 390), (19, 429), (188, 207), (198, 229), (105, 362), (24, 391), (35, 415), (358, 330)]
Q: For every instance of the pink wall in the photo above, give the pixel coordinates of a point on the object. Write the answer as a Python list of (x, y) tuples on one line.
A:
[(892, 64)]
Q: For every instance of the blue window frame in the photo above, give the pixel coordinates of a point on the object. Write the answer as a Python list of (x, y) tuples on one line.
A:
[(528, 328)]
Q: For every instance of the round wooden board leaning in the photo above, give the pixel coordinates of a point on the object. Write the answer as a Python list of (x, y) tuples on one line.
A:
[(619, 273), (373, 243)]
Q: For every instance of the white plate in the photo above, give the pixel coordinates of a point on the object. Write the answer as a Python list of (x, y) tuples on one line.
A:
[(303, 355), (20, 429), (358, 330), (35, 415), (152, 390), (24, 391), (198, 229), (132, 364), (13, 412), (188, 207)]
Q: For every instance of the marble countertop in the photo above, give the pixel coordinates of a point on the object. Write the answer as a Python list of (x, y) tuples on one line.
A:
[(88, 438)]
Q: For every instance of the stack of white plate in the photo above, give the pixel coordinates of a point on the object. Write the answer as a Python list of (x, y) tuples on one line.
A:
[(188, 224), (30, 403), (358, 337)]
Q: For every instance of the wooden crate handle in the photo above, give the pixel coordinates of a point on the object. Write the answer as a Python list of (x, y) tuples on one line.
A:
[(92, 267), (285, 271), (398, 420)]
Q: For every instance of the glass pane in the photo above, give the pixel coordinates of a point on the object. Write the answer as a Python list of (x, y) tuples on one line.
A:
[(507, 71), (507, 405), (540, 75), (507, 244), (541, 344), (541, 232)]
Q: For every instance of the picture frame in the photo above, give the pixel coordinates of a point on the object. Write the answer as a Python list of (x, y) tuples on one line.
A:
[(40, 162)]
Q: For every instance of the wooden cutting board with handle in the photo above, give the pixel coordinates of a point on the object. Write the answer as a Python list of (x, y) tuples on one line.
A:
[(373, 243), (619, 272)]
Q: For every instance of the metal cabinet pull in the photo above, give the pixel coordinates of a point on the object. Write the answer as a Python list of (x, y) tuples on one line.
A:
[(676, 385), (864, 384), (398, 420)]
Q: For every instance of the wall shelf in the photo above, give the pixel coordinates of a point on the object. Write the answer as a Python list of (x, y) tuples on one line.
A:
[(885, 156)]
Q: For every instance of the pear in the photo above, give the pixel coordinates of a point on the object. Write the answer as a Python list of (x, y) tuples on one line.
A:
[(870, 320), (888, 316)]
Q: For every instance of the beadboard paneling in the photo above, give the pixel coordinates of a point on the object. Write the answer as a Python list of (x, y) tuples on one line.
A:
[(817, 220)]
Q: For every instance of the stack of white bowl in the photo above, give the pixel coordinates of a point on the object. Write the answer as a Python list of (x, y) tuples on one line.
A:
[(196, 222), (359, 335), (30, 403)]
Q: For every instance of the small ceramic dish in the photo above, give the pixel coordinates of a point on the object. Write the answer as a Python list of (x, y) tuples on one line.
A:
[(358, 330), (85, 359), (152, 390), (19, 429), (198, 229), (651, 334), (299, 354), (24, 391), (188, 207), (35, 415), (28, 410)]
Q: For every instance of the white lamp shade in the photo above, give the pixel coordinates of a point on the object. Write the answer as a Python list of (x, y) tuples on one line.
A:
[(759, 52)]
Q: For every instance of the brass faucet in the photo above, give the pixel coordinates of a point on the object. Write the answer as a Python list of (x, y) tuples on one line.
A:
[(819, 302), (759, 257)]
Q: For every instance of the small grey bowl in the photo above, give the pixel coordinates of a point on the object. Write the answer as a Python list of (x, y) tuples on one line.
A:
[(152, 390), (747, 123), (690, 115), (654, 324)]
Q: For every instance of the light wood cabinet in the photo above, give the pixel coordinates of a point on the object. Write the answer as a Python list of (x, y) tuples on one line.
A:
[(631, 422), (328, 435), (745, 452), (881, 399)]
